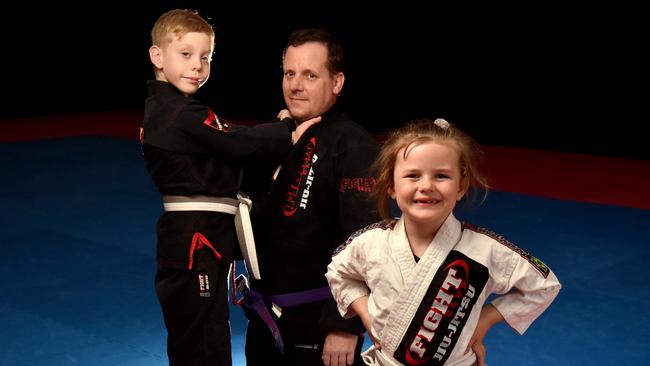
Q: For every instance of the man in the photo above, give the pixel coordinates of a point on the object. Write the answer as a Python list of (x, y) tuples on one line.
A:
[(317, 199)]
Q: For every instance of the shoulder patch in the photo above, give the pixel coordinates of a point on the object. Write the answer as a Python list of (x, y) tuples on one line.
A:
[(384, 225), (534, 261), (361, 184), (213, 121)]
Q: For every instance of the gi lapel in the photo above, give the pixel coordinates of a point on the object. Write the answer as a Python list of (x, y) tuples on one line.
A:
[(415, 284), (425, 324)]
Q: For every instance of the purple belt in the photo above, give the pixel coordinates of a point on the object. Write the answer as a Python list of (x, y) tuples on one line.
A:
[(302, 297), (256, 302)]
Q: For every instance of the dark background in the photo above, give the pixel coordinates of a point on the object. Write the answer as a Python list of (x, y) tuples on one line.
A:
[(548, 77)]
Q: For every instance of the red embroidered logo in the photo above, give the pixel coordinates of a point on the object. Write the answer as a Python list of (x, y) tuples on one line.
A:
[(213, 121), (362, 184), (292, 201)]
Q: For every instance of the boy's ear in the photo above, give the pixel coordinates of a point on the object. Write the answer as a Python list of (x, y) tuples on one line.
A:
[(155, 54)]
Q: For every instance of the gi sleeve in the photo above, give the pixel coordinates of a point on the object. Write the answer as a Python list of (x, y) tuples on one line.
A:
[(233, 141), (331, 320), (258, 172), (356, 208), (346, 276), (528, 292)]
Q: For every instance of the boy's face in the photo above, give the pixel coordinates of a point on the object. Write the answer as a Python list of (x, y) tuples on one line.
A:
[(184, 62)]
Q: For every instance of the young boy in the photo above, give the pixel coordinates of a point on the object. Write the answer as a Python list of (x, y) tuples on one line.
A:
[(194, 159)]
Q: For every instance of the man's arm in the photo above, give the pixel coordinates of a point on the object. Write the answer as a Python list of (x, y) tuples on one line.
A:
[(356, 211)]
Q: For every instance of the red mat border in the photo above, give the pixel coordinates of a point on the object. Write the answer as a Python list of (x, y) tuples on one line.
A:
[(569, 176)]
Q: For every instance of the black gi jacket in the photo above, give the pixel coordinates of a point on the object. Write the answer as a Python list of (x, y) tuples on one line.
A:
[(190, 151), (318, 199)]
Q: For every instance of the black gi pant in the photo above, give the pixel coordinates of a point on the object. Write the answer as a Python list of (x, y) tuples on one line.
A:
[(195, 302), (303, 337)]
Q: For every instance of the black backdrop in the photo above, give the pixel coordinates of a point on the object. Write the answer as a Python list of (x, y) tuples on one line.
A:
[(541, 77)]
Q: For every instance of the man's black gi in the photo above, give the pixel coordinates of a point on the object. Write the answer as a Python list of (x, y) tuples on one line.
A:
[(318, 199), (189, 151)]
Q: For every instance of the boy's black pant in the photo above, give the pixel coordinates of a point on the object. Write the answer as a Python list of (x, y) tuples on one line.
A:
[(194, 301)]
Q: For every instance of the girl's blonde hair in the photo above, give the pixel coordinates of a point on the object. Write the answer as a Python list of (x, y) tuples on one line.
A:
[(415, 133)]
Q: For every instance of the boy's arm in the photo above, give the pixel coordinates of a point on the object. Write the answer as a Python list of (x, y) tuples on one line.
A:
[(233, 141), (237, 141)]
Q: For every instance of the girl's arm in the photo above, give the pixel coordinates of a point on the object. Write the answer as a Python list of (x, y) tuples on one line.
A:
[(489, 316), (360, 306)]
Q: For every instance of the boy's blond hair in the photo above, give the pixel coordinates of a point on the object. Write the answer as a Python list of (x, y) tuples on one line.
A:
[(176, 23)]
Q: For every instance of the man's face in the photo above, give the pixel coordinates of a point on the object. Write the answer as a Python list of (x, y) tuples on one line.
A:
[(308, 86)]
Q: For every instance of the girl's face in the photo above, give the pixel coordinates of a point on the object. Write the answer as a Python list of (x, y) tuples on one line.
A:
[(427, 183), (185, 62)]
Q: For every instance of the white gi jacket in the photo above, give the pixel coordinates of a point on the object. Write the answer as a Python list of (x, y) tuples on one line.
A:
[(425, 313)]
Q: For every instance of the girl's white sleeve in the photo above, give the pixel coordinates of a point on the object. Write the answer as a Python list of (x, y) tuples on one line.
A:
[(529, 290), (346, 275)]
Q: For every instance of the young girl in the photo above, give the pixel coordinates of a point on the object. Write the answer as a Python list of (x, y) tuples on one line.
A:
[(419, 283)]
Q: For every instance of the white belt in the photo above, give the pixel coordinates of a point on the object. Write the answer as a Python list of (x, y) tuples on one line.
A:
[(382, 359), (238, 207)]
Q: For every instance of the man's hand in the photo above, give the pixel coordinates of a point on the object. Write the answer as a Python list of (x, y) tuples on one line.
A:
[(339, 349), (295, 135)]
